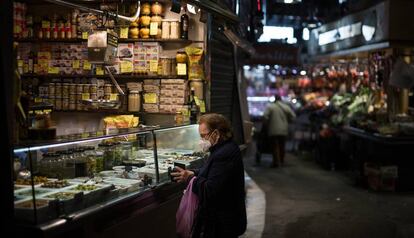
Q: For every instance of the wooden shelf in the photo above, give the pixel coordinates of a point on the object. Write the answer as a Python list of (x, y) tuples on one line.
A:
[(117, 112), (172, 41), (119, 77)]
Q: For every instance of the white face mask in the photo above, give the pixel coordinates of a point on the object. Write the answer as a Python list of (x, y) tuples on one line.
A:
[(204, 144)]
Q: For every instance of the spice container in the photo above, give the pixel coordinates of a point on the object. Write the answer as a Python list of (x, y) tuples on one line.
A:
[(93, 88), (108, 88), (86, 88), (58, 90), (79, 88), (165, 63), (58, 104), (65, 90), (72, 97), (51, 89), (65, 104), (72, 88), (134, 101), (79, 105)]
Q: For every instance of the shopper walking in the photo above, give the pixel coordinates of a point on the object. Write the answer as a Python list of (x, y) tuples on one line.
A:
[(277, 117), (219, 183)]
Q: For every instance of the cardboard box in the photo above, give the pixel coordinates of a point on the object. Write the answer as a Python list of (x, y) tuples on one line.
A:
[(174, 86), (152, 82), (134, 86), (173, 81), (151, 88), (381, 178), (172, 101), (151, 108), (170, 108), (173, 93)]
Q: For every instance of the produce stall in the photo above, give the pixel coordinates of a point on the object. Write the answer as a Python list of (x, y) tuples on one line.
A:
[(368, 119)]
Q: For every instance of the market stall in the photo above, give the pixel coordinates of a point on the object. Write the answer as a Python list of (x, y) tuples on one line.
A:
[(107, 98), (369, 114)]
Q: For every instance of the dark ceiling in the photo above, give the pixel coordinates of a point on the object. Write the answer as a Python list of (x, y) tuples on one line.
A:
[(293, 14)]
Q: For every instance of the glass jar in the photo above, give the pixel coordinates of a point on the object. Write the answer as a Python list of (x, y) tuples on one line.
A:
[(117, 147), (126, 150), (156, 8), (134, 101), (90, 155), (99, 161), (68, 164), (107, 150), (165, 63), (80, 162), (181, 57)]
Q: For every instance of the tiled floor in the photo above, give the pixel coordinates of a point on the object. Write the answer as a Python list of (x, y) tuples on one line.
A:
[(301, 200)]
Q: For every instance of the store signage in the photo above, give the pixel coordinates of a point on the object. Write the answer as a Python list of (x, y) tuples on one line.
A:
[(341, 33)]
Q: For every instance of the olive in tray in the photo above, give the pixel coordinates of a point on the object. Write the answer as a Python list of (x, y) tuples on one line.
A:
[(29, 204), (62, 195), (56, 184)]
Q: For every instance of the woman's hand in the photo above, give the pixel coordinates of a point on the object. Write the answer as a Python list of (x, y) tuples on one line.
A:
[(181, 175)]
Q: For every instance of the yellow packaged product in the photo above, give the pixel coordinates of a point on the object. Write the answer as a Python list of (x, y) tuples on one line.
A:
[(195, 66)]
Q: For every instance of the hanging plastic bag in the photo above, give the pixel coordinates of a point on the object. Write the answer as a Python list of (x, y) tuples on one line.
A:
[(186, 212)]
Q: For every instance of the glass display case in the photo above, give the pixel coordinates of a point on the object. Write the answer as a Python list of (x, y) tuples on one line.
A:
[(58, 178)]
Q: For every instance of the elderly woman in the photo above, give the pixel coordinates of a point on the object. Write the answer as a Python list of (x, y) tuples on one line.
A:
[(219, 183)]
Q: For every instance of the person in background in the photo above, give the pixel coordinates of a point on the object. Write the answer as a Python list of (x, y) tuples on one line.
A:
[(219, 183), (277, 117)]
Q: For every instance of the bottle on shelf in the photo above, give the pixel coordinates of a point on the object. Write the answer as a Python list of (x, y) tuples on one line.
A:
[(54, 25), (194, 110), (31, 62), (184, 24), (68, 27)]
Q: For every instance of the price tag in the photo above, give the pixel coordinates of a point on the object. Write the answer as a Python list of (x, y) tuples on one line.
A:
[(99, 70), (85, 96), (181, 69), (85, 35), (127, 67), (124, 33), (202, 106), (43, 63), (153, 65), (38, 100), (76, 64), (154, 28), (45, 24), (87, 65), (113, 97), (53, 70), (20, 63), (150, 98)]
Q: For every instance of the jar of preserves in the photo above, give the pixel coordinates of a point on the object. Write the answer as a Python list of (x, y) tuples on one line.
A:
[(79, 88), (58, 104), (156, 8), (65, 104), (93, 88), (145, 21), (156, 19), (165, 63), (144, 32), (65, 90), (181, 57), (51, 89), (145, 8), (86, 88), (134, 101), (72, 88), (108, 88)]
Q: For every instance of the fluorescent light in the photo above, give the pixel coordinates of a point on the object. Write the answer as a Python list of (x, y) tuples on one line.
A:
[(305, 33), (246, 67), (191, 9), (288, 1), (267, 67), (277, 33), (294, 100), (272, 99), (303, 72)]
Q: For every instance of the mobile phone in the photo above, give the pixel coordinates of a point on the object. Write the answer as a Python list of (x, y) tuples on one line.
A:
[(181, 165)]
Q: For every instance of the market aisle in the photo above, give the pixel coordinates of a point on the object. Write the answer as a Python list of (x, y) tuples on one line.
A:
[(304, 201)]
